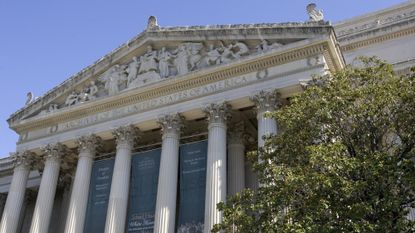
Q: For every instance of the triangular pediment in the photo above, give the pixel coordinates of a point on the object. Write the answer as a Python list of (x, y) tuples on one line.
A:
[(159, 54)]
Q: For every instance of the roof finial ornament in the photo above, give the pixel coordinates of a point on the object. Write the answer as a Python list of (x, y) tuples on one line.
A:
[(315, 14), (152, 23)]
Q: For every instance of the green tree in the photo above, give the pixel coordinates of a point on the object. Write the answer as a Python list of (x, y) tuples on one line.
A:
[(342, 162)]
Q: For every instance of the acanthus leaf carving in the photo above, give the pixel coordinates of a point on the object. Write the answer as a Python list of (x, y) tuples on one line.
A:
[(126, 135), (171, 123), (218, 113), (266, 101)]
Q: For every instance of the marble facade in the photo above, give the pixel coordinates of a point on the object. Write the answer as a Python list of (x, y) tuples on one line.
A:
[(166, 87)]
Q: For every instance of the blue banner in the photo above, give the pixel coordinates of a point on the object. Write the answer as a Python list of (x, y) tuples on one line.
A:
[(99, 192), (192, 182), (143, 192)]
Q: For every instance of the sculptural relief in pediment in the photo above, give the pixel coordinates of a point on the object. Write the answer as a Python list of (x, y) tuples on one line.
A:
[(158, 64)]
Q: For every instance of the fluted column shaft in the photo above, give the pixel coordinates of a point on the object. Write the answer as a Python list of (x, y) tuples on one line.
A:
[(79, 198), (47, 189), (165, 217), (16, 195), (266, 102), (216, 164), (118, 200), (236, 160), (266, 126)]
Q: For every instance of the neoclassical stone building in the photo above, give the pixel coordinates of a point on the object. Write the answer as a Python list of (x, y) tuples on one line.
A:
[(152, 136)]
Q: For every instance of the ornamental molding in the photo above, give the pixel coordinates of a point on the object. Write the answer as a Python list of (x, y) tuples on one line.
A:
[(86, 91), (378, 39), (192, 80), (390, 17)]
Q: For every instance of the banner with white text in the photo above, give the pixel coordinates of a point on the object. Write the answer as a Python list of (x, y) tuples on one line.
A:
[(192, 182), (143, 192), (99, 192)]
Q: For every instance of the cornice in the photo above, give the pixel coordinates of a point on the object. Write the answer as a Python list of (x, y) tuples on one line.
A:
[(191, 80), (378, 39), (239, 31), (377, 19)]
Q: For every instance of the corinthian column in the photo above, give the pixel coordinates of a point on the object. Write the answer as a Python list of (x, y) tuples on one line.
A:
[(87, 146), (47, 189), (216, 163), (236, 159), (117, 204), (265, 102), (167, 185), (15, 198)]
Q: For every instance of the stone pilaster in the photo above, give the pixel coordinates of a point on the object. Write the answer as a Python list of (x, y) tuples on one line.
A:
[(217, 115), (236, 158), (15, 199), (87, 146), (46, 196), (125, 137), (167, 184)]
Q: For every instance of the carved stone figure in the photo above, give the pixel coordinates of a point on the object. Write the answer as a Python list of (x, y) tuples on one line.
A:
[(29, 98), (194, 54), (265, 46), (113, 78), (132, 70), (227, 54), (148, 61), (182, 60), (164, 62), (213, 56), (53, 107), (89, 92), (72, 99), (314, 14), (239, 49), (152, 23)]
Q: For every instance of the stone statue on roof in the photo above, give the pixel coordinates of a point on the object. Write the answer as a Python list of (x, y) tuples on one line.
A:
[(152, 23), (314, 14)]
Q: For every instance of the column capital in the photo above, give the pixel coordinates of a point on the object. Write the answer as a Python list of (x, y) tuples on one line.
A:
[(218, 113), (236, 134), (172, 123), (89, 143), (54, 151), (24, 158), (266, 101), (126, 135)]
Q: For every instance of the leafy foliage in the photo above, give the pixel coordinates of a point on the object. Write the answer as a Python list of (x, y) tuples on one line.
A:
[(342, 162)]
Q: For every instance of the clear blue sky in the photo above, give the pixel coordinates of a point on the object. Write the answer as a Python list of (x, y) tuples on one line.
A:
[(42, 43)]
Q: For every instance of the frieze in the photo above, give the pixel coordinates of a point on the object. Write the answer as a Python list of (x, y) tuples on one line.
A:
[(159, 102)]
